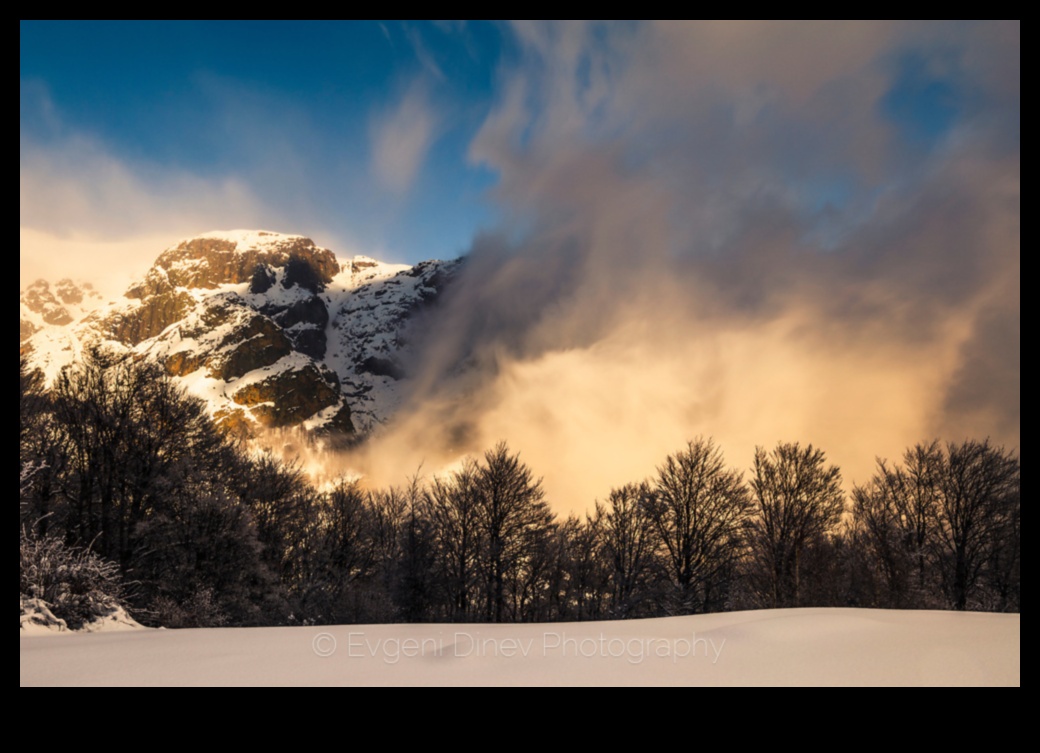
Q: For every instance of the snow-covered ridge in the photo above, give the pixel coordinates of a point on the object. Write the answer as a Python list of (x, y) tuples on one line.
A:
[(246, 239)]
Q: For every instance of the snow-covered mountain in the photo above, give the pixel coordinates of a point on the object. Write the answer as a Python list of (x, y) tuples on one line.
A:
[(270, 329)]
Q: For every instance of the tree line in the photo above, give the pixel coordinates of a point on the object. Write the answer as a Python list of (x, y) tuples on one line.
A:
[(126, 475)]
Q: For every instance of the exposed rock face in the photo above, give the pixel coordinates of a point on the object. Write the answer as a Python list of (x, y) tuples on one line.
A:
[(237, 305), (305, 311), (253, 342), (288, 397), (211, 260), (263, 279), (154, 314), (381, 367), (367, 339), (28, 329), (71, 293), (183, 363), (46, 306), (259, 343), (340, 423), (305, 322), (234, 421), (39, 299)]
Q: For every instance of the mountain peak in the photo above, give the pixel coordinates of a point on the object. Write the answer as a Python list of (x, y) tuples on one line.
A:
[(224, 257)]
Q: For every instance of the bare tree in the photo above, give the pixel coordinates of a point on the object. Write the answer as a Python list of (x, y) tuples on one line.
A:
[(452, 504), (945, 525), (336, 559), (514, 520), (629, 544), (979, 501), (799, 500), (896, 515), (699, 509), (577, 575)]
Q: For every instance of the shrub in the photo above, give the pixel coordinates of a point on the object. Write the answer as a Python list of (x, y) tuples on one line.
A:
[(76, 584)]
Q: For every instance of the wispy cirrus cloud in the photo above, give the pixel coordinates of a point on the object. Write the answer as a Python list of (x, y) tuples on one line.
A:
[(401, 138)]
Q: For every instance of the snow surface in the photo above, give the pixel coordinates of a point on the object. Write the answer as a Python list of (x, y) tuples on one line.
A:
[(768, 647), (245, 238), (37, 619)]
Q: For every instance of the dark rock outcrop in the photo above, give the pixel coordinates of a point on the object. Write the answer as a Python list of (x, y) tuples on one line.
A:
[(310, 342), (302, 271), (183, 363), (70, 293), (381, 367), (263, 279), (304, 322), (234, 421), (260, 342), (310, 310), (288, 397), (341, 423)]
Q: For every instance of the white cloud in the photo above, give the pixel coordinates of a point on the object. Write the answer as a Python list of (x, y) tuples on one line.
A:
[(401, 139), (86, 213)]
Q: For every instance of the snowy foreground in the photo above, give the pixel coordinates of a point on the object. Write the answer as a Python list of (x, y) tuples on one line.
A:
[(770, 647)]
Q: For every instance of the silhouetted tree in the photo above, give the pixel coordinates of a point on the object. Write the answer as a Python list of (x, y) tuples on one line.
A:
[(580, 574), (336, 559), (945, 525), (979, 501), (897, 516), (799, 500), (149, 482), (629, 541), (453, 507), (41, 458), (514, 521), (414, 587), (699, 509)]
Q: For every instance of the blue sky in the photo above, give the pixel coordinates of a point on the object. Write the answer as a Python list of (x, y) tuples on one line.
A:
[(292, 110), (759, 231), (404, 139)]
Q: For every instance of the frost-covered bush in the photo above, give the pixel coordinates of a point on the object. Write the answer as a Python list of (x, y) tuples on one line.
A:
[(76, 584), (201, 609)]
